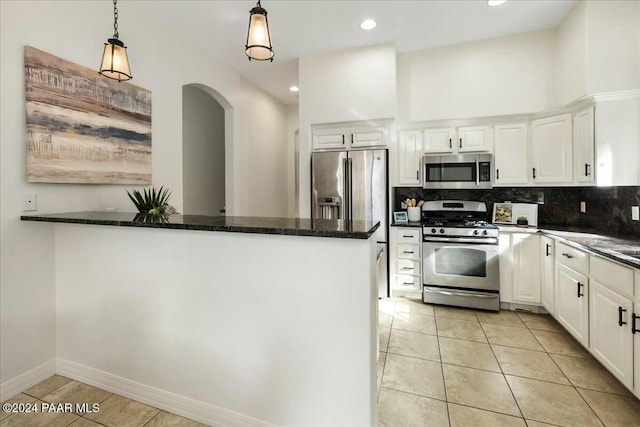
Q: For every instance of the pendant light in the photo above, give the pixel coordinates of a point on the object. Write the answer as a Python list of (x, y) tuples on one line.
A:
[(115, 63), (258, 45)]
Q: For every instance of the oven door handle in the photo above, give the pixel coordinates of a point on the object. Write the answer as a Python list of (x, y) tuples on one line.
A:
[(477, 173), (481, 241), (458, 294)]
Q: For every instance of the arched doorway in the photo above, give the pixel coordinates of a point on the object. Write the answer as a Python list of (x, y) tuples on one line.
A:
[(204, 153)]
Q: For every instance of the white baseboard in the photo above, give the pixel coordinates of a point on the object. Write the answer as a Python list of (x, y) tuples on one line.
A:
[(190, 408), (18, 384)]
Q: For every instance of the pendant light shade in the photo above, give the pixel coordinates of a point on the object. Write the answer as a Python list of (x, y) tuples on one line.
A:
[(115, 63), (258, 45)]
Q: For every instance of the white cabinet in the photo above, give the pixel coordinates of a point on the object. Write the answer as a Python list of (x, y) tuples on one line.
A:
[(439, 140), (367, 137), (406, 259), (460, 140), (584, 146), (552, 150), (511, 154), (610, 337), (475, 138), (547, 273), (526, 268), (409, 157), (572, 302), (329, 137), (636, 336)]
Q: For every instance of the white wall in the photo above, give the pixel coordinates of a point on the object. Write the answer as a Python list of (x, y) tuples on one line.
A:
[(571, 56), (348, 85), (76, 31), (290, 340), (509, 75), (293, 141), (203, 153)]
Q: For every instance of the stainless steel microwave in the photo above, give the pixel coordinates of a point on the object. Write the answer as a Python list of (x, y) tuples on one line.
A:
[(464, 171)]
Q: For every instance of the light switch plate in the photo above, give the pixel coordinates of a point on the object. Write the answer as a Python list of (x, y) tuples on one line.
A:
[(29, 202), (635, 213), (583, 207)]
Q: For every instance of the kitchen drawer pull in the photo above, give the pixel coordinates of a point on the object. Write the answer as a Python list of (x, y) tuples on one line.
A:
[(406, 268), (567, 255), (546, 251), (407, 283), (633, 323), (407, 252), (404, 235), (580, 285), (620, 311)]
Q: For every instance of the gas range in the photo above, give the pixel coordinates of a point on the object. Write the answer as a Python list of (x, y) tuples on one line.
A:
[(457, 219)]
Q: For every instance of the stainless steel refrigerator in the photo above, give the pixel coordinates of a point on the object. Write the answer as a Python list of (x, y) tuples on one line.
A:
[(352, 185)]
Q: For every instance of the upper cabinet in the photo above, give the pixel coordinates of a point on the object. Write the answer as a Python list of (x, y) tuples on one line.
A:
[(475, 138), (460, 140), (510, 154), (332, 138), (552, 150), (584, 146), (439, 140), (409, 157)]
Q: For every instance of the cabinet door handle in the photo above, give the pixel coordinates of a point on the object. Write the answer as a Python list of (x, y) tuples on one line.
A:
[(417, 174), (460, 142), (546, 250), (497, 174), (587, 169), (580, 285), (567, 255), (342, 139), (351, 138), (534, 173), (620, 311), (633, 323), (450, 143)]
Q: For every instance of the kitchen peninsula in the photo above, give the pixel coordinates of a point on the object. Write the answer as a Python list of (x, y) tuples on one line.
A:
[(254, 321)]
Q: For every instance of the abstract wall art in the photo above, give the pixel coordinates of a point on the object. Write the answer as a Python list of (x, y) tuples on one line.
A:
[(83, 128)]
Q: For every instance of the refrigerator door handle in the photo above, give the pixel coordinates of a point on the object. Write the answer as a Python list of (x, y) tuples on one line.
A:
[(345, 201), (349, 216)]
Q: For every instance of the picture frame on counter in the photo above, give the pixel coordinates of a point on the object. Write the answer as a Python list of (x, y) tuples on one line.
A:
[(400, 217)]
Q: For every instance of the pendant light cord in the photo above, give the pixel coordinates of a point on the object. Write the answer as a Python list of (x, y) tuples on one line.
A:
[(115, 20)]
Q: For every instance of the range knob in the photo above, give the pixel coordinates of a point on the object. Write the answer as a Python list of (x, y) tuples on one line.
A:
[(485, 232), (475, 232), (442, 231), (433, 230)]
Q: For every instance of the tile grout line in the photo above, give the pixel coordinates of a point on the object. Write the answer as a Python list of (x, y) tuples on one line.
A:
[(444, 382)]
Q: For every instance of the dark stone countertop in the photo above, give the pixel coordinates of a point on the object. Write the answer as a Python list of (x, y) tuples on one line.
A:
[(407, 224), (236, 224)]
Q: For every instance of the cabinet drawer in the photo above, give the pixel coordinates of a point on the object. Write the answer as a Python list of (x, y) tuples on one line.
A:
[(573, 258), (407, 282), (611, 275), (408, 266), (408, 251), (409, 236)]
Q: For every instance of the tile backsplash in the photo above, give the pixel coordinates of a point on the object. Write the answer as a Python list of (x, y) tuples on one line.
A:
[(608, 208)]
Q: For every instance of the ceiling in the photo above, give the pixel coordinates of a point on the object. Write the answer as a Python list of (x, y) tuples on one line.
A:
[(304, 27)]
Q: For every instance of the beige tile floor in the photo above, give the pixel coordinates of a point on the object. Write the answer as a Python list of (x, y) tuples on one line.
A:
[(114, 410), (442, 366)]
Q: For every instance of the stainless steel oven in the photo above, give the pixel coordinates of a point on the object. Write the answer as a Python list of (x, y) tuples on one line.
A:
[(460, 255), (464, 171)]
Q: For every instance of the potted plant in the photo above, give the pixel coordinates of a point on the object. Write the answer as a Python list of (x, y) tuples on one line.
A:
[(522, 221), (152, 204)]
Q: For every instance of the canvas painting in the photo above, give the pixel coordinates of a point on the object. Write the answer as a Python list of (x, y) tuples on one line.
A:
[(82, 127)]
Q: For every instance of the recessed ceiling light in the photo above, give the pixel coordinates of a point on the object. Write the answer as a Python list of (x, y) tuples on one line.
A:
[(368, 24), (495, 2), (294, 89)]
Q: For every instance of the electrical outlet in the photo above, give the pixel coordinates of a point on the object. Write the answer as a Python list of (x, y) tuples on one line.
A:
[(635, 213), (583, 207), (29, 202)]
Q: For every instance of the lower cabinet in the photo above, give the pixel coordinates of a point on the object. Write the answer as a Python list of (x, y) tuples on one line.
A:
[(406, 259), (572, 302), (610, 336), (547, 273), (636, 341), (526, 268)]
